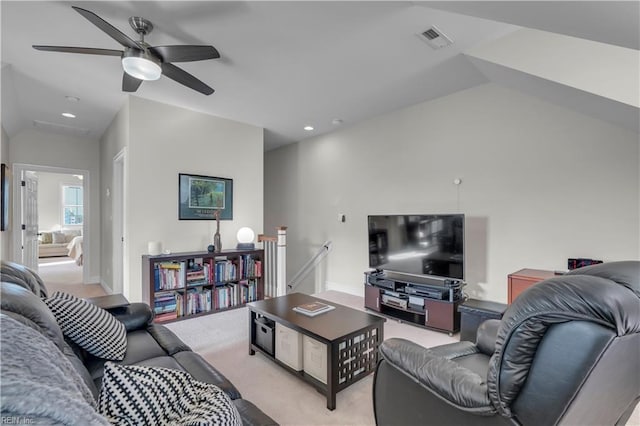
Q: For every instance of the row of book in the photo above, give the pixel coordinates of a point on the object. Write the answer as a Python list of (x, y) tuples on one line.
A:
[(203, 300), (234, 294), (174, 275), (198, 274), (250, 267), (225, 270), (169, 275), (168, 303), (198, 301)]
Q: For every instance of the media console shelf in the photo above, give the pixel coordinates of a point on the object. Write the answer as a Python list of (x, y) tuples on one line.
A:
[(430, 303)]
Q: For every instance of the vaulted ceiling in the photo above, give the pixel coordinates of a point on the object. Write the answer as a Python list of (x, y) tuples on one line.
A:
[(286, 65)]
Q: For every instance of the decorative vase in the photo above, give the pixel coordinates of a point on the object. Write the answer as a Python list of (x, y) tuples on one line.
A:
[(217, 243)]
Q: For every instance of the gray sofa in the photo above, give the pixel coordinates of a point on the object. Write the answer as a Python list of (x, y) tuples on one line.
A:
[(47, 394)]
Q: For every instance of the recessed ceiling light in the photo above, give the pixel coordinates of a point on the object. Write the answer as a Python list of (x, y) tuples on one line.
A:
[(308, 128), (68, 115), (72, 98), (336, 122)]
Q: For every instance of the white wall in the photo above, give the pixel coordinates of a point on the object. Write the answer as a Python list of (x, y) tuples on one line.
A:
[(165, 140), (53, 150), (569, 61), (50, 199), (114, 139), (540, 184)]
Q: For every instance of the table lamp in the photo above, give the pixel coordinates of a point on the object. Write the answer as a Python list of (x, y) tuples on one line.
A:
[(245, 238)]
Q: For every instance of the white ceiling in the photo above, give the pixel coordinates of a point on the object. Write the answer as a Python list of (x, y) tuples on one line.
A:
[(283, 65)]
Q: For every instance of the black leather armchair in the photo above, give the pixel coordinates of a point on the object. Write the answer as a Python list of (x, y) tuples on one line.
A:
[(567, 351)]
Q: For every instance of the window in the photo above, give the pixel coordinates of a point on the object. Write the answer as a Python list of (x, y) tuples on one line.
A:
[(72, 205)]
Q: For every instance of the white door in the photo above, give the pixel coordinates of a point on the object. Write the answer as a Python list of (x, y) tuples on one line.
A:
[(29, 199), (118, 223)]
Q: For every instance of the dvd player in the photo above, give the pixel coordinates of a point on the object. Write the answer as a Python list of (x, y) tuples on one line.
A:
[(430, 292), (395, 301), (381, 282)]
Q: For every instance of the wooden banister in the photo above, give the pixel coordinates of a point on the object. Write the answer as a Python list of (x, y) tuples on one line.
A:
[(275, 256)]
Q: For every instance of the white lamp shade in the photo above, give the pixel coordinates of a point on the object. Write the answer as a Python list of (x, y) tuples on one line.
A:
[(245, 235), (141, 68)]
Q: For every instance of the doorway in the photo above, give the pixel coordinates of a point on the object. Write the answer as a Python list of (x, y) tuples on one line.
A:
[(53, 236), (118, 237)]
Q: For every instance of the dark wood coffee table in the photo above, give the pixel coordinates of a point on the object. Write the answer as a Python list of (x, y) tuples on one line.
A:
[(352, 338)]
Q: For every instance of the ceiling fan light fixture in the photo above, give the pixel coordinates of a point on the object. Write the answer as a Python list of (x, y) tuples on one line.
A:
[(141, 65)]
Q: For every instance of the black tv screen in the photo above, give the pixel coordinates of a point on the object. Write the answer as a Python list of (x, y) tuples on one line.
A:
[(418, 244)]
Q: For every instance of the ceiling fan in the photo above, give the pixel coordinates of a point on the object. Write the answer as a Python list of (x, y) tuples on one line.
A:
[(140, 60)]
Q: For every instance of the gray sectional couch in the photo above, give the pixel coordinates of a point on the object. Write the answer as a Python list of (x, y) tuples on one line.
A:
[(69, 393)]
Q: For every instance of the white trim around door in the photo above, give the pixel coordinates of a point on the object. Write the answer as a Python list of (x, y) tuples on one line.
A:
[(18, 168)]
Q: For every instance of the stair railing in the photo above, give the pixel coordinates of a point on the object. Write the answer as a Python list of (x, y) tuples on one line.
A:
[(275, 270), (309, 266)]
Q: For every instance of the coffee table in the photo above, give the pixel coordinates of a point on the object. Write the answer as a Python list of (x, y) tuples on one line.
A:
[(351, 337)]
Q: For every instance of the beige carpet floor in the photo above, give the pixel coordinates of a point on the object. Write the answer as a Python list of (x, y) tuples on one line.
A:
[(62, 274), (222, 339)]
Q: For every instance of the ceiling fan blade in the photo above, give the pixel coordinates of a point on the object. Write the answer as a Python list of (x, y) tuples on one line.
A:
[(85, 50), (129, 83), (183, 77), (185, 53), (112, 31)]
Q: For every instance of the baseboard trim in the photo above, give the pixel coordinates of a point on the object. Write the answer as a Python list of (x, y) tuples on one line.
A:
[(349, 289), (105, 287)]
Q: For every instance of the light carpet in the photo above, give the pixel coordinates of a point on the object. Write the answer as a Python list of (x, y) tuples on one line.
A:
[(222, 339), (62, 274)]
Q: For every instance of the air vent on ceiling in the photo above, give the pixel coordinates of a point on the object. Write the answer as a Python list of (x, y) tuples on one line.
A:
[(60, 128), (435, 38)]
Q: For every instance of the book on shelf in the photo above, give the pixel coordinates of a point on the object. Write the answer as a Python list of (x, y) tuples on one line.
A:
[(169, 275), (225, 270), (165, 316), (198, 301), (168, 303), (313, 308)]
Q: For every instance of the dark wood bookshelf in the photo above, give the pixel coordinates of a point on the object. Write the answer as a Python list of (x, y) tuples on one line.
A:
[(225, 293)]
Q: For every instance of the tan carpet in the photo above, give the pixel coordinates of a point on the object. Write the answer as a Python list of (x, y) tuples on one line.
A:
[(62, 274), (222, 339)]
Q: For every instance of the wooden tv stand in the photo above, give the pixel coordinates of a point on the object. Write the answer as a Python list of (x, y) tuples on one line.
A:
[(388, 298)]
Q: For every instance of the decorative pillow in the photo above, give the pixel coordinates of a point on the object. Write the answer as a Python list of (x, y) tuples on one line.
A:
[(91, 327), (58, 237), (46, 237), (141, 395), (70, 235)]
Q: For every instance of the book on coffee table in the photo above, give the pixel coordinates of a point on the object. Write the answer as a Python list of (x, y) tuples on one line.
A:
[(313, 308)]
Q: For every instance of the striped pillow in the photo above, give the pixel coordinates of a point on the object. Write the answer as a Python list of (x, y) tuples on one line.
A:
[(142, 395), (91, 327)]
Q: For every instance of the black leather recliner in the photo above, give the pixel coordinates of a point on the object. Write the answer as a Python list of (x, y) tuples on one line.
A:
[(567, 351)]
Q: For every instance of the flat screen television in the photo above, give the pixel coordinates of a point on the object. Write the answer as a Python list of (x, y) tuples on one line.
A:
[(425, 244)]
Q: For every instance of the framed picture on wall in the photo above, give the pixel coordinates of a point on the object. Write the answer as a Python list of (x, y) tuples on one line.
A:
[(4, 197), (200, 196)]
